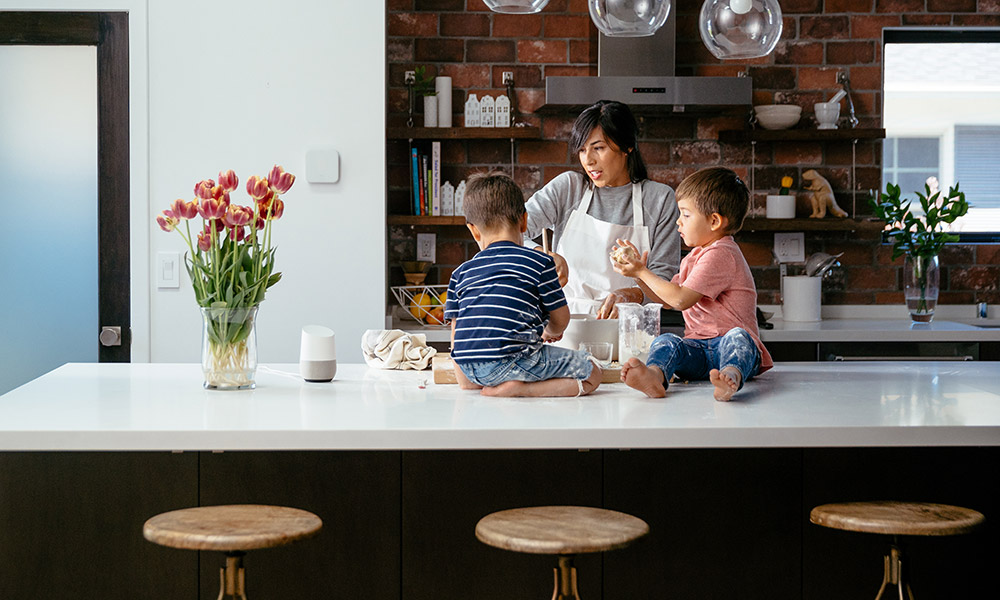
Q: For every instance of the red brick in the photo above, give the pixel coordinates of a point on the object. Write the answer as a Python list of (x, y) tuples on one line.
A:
[(528, 178), (956, 298), (399, 50), (655, 153), (854, 254), (818, 78), (977, 20), (397, 100), (462, 24), (573, 6), (789, 28), (439, 50), (756, 254), (542, 152), (583, 52), (883, 256), (989, 6), (840, 154), (951, 6), (735, 154), (490, 51), (872, 278), (975, 278), (542, 51), (723, 70), (798, 53), (693, 53), (395, 5), (695, 153), (519, 26), (465, 76), (490, 152), (926, 19), (523, 76), (798, 153), (847, 6), (850, 53), (567, 26), (530, 100), (988, 254), (440, 5), (557, 128), (824, 28), (801, 6), (567, 71), (773, 78), (865, 78), (767, 278), (453, 153), (665, 129), (957, 254), (870, 26), (889, 298), (671, 176), (899, 6), (708, 128), (450, 253), (412, 24)]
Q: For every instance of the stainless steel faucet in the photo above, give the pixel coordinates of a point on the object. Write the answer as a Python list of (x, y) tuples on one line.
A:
[(845, 81)]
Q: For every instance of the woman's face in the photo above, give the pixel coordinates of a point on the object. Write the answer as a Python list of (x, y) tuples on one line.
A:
[(604, 162)]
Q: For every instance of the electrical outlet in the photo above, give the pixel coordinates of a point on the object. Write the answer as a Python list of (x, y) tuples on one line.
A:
[(426, 246), (790, 247)]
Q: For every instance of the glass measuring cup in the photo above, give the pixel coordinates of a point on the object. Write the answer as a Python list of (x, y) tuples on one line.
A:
[(638, 326)]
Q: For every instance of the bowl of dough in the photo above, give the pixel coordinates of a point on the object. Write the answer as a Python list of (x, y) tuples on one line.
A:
[(777, 116)]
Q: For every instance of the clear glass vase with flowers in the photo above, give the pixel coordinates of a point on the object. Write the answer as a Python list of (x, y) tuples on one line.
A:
[(920, 237), (230, 261)]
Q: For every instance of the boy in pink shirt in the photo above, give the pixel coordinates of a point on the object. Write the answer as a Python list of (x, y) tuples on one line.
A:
[(714, 289)]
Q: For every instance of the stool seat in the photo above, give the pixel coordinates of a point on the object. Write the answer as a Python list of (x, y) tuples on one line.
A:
[(559, 530), (236, 527), (897, 518)]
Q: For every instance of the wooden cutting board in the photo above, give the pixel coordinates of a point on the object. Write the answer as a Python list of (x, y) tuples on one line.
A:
[(444, 370)]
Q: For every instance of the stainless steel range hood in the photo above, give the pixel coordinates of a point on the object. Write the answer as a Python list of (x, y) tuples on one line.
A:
[(639, 71)]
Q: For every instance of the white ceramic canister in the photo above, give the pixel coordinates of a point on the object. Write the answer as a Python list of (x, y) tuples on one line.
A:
[(801, 298), (780, 206)]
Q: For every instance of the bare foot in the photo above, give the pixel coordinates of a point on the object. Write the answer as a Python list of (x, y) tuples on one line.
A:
[(726, 382), (648, 380)]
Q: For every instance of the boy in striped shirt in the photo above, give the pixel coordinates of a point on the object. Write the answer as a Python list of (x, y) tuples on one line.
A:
[(506, 302)]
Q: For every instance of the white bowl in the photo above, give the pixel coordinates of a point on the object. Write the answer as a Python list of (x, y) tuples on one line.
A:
[(778, 108), (777, 120), (588, 328)]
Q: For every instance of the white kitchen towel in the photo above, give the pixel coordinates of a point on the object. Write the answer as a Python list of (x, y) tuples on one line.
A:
[(396, 349)]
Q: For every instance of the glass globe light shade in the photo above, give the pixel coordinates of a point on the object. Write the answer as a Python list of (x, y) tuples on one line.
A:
[(629, 18), (515, 6), (740, 28)]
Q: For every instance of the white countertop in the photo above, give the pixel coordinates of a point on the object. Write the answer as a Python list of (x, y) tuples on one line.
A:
[(163, 407)]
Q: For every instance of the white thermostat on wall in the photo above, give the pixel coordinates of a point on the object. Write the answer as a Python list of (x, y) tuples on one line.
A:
[(322, 165)]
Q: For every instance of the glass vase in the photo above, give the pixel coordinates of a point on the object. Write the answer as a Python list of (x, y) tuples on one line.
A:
[(921, 277), (229, 347)]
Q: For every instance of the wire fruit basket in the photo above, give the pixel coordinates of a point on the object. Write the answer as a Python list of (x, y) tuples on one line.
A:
[(423, 303)]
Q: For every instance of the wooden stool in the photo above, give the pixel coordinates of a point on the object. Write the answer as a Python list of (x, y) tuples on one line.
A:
[(233, 529), (897, 518), (561, 530)]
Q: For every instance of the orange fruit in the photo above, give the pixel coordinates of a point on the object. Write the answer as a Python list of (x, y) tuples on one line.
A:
[(436, 316), (420, 306)]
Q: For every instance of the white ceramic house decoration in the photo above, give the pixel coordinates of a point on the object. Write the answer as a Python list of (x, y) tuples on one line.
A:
[(503, 111), (460, 199), (447, 199), (472, 114), (487, 112)]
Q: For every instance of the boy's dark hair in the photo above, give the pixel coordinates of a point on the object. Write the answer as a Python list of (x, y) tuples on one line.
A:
[(717, 190), (493, 200), (619, 127)]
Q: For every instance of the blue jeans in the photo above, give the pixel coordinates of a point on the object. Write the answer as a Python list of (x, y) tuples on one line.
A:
[(693, 359), (548, 362)]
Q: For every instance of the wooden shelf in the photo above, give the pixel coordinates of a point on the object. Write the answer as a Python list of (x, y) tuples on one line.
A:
[(464, 133), (424, 220), (826, 224), (800, 135)]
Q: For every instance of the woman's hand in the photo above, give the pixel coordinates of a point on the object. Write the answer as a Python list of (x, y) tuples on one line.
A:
[(609, 309)]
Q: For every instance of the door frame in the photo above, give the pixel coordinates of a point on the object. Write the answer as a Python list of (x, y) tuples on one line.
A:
[(108, 31)]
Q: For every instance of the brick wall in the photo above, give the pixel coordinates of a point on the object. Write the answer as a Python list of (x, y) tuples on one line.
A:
[(464, 40)]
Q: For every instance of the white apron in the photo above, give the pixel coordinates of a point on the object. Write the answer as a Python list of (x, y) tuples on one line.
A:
[(586, 243)]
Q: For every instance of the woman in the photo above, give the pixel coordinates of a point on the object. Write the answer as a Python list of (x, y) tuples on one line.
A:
[(612, 199)]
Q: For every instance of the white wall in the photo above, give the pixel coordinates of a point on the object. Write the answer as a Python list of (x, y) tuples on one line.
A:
[(244, 85)]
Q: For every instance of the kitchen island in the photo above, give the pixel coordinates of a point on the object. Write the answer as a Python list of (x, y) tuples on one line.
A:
[(400, 470)]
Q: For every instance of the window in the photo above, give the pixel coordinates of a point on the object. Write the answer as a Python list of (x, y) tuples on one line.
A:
[(942, 118)]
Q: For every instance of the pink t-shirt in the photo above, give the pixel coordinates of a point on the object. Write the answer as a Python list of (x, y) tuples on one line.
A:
[(721, 274)]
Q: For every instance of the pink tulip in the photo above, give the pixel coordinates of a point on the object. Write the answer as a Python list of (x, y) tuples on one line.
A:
[(237, 216), (204, 241), (228, 180), (167, 221), (210, 208), (184, 210), (278, 209), (257, 187), (280, 181), (203, 189), (237, 233)]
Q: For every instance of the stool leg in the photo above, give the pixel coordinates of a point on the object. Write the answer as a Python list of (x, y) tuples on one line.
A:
[(565, 576), (893, 574), (232, 578)]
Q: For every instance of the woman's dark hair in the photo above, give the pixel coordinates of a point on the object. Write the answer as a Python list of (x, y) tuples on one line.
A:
[(619, 127)]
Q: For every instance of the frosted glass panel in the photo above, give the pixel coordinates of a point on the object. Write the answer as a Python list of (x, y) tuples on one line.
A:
[(48, 208)]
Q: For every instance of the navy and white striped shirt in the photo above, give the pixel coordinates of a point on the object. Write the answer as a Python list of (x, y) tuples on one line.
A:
[(500, 301)]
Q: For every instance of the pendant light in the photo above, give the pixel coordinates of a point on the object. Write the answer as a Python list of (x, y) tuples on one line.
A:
[(740, 28), (629, 18), (521, 7)]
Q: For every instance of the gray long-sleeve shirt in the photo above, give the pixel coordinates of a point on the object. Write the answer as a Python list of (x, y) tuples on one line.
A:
[(551, 206)]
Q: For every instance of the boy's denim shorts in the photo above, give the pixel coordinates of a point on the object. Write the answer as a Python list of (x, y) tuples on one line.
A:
[(548, 362)]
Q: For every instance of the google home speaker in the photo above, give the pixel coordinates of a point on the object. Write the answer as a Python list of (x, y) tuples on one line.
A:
[(317, 354)]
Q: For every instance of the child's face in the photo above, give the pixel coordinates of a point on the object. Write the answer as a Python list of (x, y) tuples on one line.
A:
[(606, 164), (695, 228)]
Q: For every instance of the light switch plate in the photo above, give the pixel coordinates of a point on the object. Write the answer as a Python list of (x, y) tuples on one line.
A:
[(168, 266), (790, 247), (322, 165)]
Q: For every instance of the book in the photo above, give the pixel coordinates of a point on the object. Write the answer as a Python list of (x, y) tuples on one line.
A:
[(423, 185), (414, 167), (436, 179)]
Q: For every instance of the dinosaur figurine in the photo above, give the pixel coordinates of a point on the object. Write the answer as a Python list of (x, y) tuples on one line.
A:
[(822, 195)]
